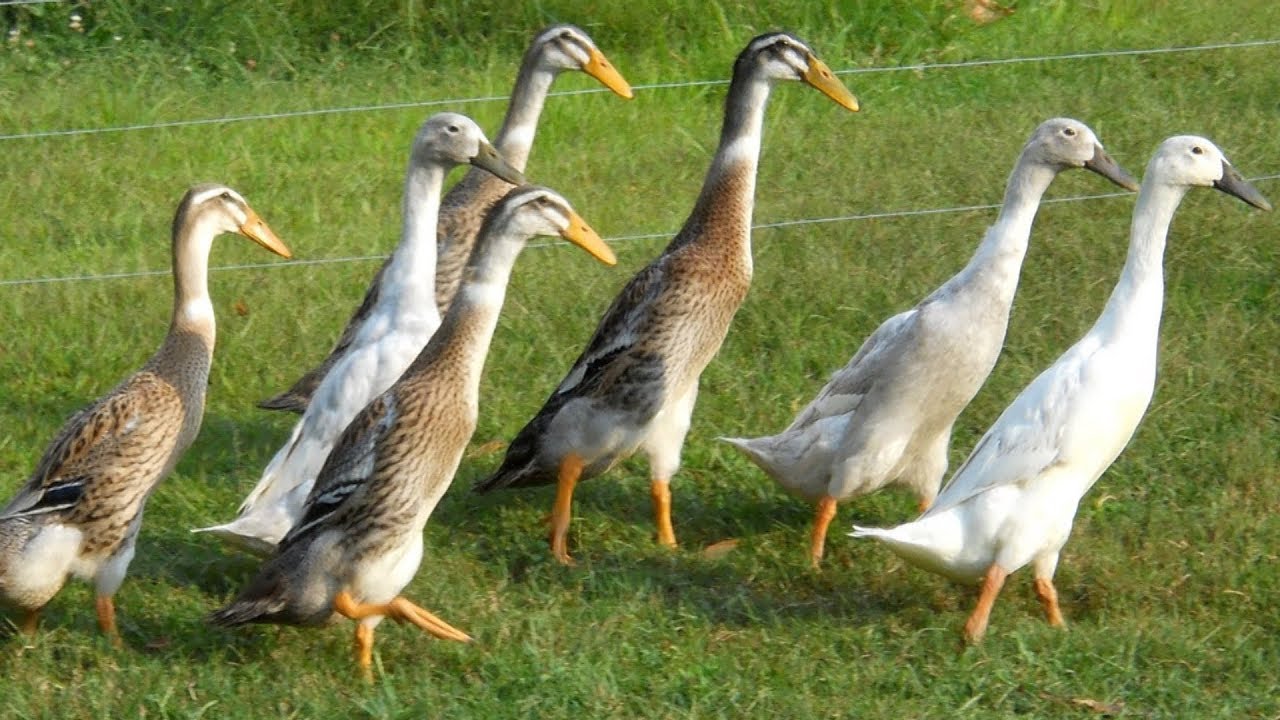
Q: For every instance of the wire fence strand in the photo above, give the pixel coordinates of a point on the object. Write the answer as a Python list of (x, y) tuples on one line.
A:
[(614, 240), (917, 67)]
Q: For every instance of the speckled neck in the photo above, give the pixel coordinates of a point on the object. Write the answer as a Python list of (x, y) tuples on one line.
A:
[(515, 139), (461, 343), (722, 214)]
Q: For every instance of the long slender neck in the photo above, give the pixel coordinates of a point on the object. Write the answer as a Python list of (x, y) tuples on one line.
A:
[(461, 343), (192, 318), (520, 124), (728, 193), (412, 270), (1137, 301), (997, 262)]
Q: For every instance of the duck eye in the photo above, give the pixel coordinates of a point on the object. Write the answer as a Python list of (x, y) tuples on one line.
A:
[(1197, 150), (225, 196), (453, 128), (1069, 132)]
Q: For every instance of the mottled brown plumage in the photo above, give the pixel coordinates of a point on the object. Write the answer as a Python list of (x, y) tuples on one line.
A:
[(80, 511), (634, 386), (463, 209), (358, 542)]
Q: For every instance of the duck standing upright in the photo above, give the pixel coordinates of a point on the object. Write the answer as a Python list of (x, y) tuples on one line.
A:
[(635, 385), (359, 541), (1013, 501), (80, 511), (887, 415), (400, 323), (553, 51)]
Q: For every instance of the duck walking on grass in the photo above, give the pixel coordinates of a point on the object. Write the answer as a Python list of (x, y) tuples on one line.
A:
[(1013, 501), (886, 416), (80, 511), (634, 386), (398, 326), (359, 540), (553, 51)]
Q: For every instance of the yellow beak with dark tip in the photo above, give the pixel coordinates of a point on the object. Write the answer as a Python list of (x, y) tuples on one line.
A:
[(821, 77), (257, 230), (580, 233), (599, 68)]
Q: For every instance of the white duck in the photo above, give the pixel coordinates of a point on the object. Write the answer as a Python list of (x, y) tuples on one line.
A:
[(1013, 500), (400, 323), (887, 415)]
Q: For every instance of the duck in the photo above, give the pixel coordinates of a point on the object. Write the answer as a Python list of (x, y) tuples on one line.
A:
[(402, 320), (359, 542), (554, 50), (634, 386), (79, 513), (886, 416), (1013, 501)]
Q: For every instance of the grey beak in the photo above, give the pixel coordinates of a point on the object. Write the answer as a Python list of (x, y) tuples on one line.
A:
[(1102, 164), (489, 159), (1232, 184)]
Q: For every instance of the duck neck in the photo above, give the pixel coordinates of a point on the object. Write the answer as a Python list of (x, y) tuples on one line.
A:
[(515, 138), (1137, 301), (410, 275), (997, 263), (722, 214), (461, 343), (187, 351)]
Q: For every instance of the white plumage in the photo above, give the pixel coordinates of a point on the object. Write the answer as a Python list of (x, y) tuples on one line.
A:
[(1013, 501), (886, 417)]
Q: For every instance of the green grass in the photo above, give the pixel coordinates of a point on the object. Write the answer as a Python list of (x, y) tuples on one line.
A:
[(1169, 582)]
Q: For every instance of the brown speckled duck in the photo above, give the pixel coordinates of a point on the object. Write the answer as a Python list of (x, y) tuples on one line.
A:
[(634, 386), (359, 540), (80, 511), (555, 50)]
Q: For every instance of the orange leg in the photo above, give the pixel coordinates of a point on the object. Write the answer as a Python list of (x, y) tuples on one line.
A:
[(1049, 601), (107, 618), (924, 504), (822, 517), (976, 626), (570, 470), (660, 491), (400, 610), (364, 649)]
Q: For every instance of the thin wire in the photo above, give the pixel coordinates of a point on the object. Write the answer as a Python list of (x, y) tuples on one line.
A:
[(28, 2), (612, 240), (35, 134)]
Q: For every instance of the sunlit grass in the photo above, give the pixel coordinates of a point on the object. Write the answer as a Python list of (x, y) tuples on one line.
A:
[(1170, 579)]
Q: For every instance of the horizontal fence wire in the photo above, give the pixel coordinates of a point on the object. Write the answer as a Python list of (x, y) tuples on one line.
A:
[(28, 2), (917, 67), (615, 240)]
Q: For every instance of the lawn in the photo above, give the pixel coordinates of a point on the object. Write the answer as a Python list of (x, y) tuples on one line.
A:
[(1170, 581)]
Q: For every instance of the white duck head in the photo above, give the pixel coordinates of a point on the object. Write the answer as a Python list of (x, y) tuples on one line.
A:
[(1188, 161)]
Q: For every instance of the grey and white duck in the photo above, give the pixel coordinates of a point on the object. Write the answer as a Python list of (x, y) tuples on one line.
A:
[(886, 416)]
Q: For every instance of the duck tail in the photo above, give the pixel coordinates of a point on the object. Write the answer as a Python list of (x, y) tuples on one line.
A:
[(243, 611)]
